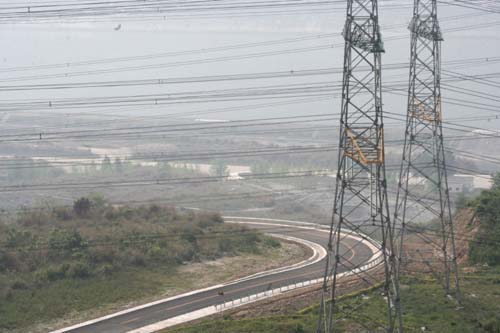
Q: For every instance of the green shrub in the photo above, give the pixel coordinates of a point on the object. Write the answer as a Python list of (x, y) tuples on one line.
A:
[(62, 242), (19, 285), (491, 325), (4, 261), (158, 253), (106, 270), (17, 238), (484, 248), (299, 328), (97, 201), (135, 257), (188, 237), (63, 214), (81, 207), (99, 239), (103, 254), (271, 242), (51, 273), (79, 269), (33, 218)]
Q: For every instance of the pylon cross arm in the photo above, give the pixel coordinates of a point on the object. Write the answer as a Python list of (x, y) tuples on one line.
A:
[(363, 150)]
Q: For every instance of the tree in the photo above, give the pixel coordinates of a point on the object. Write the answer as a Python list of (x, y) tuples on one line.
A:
[(118, 165), (92, 168), (484, 249), (164, 166), (81, 207), (106, 164), (461, 201), (496, 180), (280, 167), (260, 168), (219, 169), (97, 200)]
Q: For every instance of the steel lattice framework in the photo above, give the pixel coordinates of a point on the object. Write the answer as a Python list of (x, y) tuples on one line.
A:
[(361, 189), (423, 184)]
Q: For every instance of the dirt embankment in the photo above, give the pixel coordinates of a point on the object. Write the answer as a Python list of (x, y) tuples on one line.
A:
[(466, 226), (422, 252)]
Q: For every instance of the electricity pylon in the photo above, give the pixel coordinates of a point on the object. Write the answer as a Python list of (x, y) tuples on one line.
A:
[(423, 180), (361, 189)]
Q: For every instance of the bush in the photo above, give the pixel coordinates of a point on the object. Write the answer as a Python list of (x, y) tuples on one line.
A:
[(111, 214), (97, 201), (63, 243), (154, 209), (106, 269), (271, 242), (103, 254), (158, 254), (484, 249), (63, 214), (216, 218), (461, 201), (135, 257), (299, 328), (4, 261), (81, 207), (16, 238), (188, 236), (51, 273), (19, 285), (35, 218), (79, 270), (9, 261), (491, 325), (121, 237)]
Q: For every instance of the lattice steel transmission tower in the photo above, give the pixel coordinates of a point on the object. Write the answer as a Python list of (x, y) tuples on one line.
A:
[(423, 185), (361, 203)]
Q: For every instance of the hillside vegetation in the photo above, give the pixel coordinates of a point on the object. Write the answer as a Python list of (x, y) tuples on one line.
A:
[(425, 307), (57, 260), (486, 247)]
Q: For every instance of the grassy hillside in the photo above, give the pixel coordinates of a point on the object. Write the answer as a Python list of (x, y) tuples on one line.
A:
[(56, 261)]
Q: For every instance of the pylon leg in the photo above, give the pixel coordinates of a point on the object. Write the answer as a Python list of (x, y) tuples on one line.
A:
[(360, 202)]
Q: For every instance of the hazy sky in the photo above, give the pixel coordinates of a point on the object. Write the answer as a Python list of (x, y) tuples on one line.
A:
[(60, 42)]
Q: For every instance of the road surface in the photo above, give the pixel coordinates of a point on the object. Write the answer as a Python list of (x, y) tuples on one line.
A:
[(171, 308)]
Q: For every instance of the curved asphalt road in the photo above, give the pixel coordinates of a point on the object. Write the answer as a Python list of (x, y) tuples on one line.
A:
[(196, 301)]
